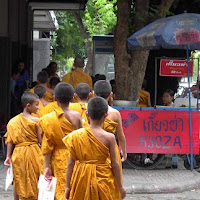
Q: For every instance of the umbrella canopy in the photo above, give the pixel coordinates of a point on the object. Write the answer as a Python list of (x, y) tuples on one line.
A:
[(169, 33), (175, 32)]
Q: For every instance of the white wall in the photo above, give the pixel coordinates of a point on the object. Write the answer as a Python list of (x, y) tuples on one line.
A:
[(41, 55)]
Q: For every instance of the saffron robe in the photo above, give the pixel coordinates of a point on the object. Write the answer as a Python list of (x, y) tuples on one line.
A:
[(81, 108), (49, 108), (48, 96), (92, 179), (55, 127), (143, 101), (27, 158), (110, 126), (77, 76)]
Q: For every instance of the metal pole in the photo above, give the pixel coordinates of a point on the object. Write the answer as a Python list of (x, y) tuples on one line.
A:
[(190, 112), (156, 68)]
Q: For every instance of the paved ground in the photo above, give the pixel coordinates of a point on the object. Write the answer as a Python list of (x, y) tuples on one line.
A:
[(187, 195), (161, 183)]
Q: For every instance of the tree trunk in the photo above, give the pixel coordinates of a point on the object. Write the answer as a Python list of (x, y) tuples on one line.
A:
[(88, 43), (130, 70), (121, 56)]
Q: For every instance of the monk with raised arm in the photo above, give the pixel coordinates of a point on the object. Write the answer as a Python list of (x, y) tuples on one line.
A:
[(82, 94), (113, 122), (55, 126), (22, 139), (94, 178)]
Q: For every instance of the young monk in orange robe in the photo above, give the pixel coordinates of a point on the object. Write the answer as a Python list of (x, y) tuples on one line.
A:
[(23, 136), (55, 126), (82, 94), (42, 79), (94, 178), (40, 91), (113, 122)]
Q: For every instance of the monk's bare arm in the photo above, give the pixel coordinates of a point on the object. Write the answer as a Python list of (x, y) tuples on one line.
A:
[(77, 123), (115, 165), (70, 168), (121, 136), (10, 148), (39, 135), (47, 172)]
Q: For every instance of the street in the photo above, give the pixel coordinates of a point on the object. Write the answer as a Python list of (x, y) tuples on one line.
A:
[(188, 195)]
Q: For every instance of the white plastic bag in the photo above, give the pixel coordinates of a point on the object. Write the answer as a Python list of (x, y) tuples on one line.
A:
[(9, 176), (46, 188)]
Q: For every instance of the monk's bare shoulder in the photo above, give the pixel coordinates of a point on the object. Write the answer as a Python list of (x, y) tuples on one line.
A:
[(109, 137), (75, 114), (114, 114), (35, 119)]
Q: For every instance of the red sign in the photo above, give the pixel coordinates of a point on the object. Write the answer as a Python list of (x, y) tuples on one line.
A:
[(177, 68), (150, 131)]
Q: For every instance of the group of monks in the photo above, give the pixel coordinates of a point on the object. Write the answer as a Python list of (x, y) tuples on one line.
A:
[(73, 142)]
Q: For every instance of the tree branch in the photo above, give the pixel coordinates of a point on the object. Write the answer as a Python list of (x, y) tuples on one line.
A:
[(165, 4), (84, 33)]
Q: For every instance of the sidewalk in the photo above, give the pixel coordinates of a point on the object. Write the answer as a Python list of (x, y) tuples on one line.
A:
[(159, 180)]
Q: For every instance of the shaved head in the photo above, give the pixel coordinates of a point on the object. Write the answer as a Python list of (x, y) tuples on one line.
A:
[(102, 89), (82, 90), (97, 107), (40, 91), (42, 77), (54, 81), (28, 97), (64, 92)]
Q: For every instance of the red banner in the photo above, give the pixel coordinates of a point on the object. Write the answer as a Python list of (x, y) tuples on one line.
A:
[(150, 131), (177, 68)]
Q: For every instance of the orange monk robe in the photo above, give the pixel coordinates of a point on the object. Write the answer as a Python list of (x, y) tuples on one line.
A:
[(27, 158), (143, 101), (77, 76), (93, 178), (49, 108), (110, 126), (55, 127), (32, 90), (81, 108), (48, 96)]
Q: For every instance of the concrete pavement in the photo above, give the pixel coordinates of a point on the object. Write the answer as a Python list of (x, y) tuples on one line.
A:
[(155, 181)]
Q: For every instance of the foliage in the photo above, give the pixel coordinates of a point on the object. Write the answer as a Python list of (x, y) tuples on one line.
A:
[(99, 18), (69, 42), (196, 58)]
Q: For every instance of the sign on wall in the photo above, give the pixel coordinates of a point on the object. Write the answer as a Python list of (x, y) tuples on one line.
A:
[(177, 68), (159, 131)]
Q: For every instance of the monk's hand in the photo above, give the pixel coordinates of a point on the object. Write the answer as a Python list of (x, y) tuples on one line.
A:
[(48, 173), (7, 162), (67, 193), (123, 192), (124, 156)]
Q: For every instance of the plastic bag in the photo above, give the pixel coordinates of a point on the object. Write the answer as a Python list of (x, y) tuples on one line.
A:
[(9, 176), (46, 188)]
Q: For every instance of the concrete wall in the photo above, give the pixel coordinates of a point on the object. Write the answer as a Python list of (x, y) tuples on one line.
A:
[(41, 55)]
